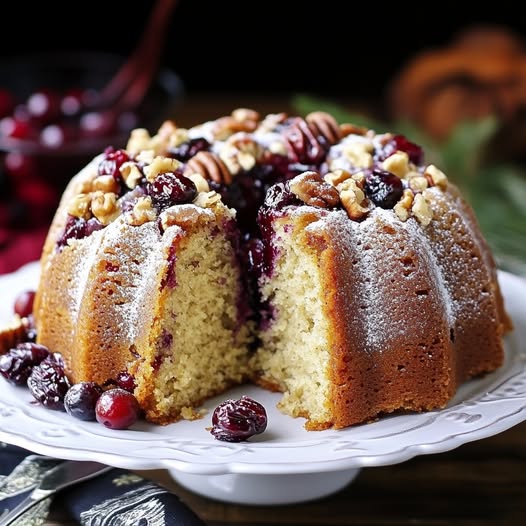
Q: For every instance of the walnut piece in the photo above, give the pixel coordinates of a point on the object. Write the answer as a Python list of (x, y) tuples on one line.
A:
[(104, 206), (161, 165), (106, 183), (207, 199), (79, 206), (438, 177), (142, 212), (314, 191), (403, 207), (397, 164), (131, 174), (421, 210)]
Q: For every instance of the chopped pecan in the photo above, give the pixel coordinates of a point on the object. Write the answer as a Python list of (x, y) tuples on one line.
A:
[(314, 191), (210, 166), (241, 120)]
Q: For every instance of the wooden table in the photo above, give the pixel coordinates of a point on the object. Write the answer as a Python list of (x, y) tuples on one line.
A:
[(480, 483)]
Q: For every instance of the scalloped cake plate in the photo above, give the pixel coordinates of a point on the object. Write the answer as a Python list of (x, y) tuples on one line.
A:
[(286, 463)]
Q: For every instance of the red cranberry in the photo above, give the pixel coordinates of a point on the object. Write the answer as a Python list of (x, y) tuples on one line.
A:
[(73, 102), (126, 381), (20, 166), (78, 228), (111, 163), (16, 365), (98, 124), (24, 303), (238, 420), (185, 151), (81, 399), (44, 106), (49, 384), (383, 188), (171, 188), (56, 135), (15, 128), (117, 409), (401, 143)]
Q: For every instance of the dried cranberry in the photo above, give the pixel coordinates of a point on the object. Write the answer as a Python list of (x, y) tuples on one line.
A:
[(111, 163), (126, 381), (81, 399), (16, 365), (401, 143), (185, 151), (171, 188), (49, 384), (24, 303), (383, 188), (117, 409), (238, 420), (78, 228)]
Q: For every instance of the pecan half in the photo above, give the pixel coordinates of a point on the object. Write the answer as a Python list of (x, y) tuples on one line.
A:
[(324, 124), (314, 191), (210, 166)]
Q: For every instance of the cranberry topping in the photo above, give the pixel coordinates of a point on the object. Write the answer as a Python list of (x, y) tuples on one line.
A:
[(126, 381), (171, 188), (24, 303), (185, 151), (117, 409), (81, 398), (111, 163), (401, 143), (48, 383), (17, 364), (383, 188), (77, 228), (238, 420)]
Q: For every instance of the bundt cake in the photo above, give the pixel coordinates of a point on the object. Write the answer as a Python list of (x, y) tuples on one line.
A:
[(325, 261)]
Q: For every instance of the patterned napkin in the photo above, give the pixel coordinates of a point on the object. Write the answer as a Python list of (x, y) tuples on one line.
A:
[(116, 498)]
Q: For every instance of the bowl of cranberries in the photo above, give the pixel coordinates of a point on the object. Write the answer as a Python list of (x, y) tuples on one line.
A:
[(52, 123)]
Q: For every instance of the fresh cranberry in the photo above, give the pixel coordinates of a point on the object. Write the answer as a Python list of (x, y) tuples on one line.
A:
[(44, 106), (81, 399), (57, 135), (98, 124), (20, 166), (383, 188), (73, 102), (15, 128), (185, 151), (16, 365), (24, 303), (171, 188), (126, 381), (117, 409), (238, 420), (49, 384)]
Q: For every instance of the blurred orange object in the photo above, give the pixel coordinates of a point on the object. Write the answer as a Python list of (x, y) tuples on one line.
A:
[(482, 72)]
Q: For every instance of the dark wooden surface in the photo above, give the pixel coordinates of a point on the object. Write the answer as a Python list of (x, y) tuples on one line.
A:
[(482, 483)]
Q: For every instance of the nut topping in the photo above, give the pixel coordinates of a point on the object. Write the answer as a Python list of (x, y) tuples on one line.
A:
[(324, 124), (314, 191), (209, 166)]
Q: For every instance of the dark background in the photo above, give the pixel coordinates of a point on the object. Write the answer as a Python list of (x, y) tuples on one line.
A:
[(326, 47)]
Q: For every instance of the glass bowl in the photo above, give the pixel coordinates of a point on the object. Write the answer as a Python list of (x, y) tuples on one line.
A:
[(36, 164)]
